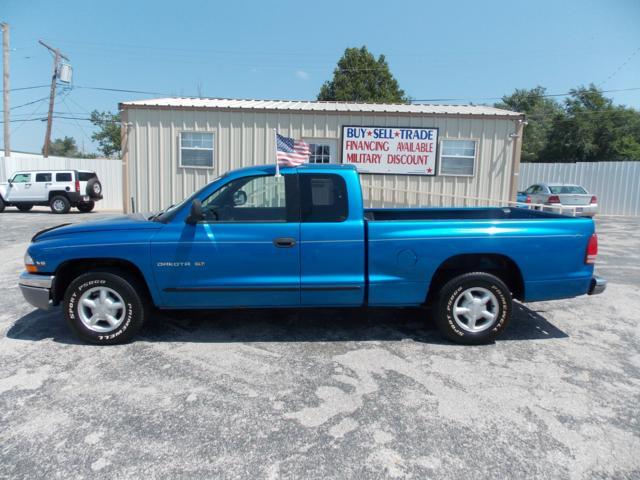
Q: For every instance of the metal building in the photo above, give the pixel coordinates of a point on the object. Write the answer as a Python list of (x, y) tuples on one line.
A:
[(173, 146)]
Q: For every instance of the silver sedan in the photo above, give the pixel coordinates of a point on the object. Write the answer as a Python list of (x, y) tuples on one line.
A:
[(562, 198)]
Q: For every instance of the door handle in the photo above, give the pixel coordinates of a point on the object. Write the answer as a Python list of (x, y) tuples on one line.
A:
[(284, 242)]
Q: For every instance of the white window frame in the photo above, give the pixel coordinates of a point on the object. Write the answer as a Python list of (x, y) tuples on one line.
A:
[(212, 149), (333, 148), (441, 154)]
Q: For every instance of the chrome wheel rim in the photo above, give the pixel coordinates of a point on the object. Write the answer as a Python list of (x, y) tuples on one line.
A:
[(58, 205), (101, 309), (476, 309)]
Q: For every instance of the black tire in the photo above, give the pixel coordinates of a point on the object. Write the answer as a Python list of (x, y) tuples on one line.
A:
[(25, 207), (131, 317), (60, 204), (1, 205), (94, 188), (86, 207), (479, 285)]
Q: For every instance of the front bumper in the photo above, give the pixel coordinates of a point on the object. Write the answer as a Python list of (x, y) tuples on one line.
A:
[(598, 285), (36, 289)]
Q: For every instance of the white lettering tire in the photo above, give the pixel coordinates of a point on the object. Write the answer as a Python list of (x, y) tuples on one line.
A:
[(474, 308), (104, 307)]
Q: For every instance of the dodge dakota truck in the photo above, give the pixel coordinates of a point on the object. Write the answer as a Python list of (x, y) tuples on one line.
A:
[(301, 238)]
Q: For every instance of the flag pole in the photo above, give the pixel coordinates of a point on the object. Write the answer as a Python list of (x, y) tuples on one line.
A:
[(275, 150)]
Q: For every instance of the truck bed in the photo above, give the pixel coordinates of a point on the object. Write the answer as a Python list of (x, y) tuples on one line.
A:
[(495, 213)]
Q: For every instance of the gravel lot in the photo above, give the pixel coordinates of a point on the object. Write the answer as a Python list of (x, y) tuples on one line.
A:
[(316, 394)]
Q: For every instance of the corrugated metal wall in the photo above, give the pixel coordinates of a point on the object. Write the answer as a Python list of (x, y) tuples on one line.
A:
[(246, 138), (617, 184), (109, 172)]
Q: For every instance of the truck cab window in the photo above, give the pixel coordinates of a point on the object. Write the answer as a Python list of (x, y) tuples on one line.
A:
[(21, 178), (248, 199), (323, 198)]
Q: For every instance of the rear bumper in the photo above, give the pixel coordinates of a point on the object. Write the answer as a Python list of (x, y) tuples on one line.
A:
[(598, 285), (36, 289), (580, 210)]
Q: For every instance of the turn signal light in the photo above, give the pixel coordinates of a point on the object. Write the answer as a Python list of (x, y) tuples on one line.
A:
[(592, 250), (31, 268), (78, 186), (553, 199), (528, 200), (594, 199)]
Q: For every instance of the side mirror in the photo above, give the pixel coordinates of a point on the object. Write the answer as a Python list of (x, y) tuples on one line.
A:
[(10, 182), (196, 213), (239, 198)]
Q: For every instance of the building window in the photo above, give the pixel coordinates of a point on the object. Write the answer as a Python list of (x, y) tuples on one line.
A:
[(322, 150), (196, 149), (458, 157)]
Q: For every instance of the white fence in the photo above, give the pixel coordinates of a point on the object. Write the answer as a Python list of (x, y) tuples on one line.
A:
[(616, 184), (109, 172)]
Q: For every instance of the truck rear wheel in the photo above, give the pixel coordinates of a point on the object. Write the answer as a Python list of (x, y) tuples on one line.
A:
[(24, 207), (105, 307), (1, 205), (473, 308), (60, 204), (86, 207)]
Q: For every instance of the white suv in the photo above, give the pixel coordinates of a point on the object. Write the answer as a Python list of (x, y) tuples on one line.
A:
[(60, 189)]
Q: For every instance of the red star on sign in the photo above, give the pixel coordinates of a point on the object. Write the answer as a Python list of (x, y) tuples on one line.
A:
[(429, 170), (397, 134), (369, 133)]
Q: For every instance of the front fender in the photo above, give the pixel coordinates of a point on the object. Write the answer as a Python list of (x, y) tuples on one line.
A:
[(133, 248)]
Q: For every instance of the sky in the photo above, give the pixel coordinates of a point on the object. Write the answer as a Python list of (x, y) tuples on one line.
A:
[(470, 51)]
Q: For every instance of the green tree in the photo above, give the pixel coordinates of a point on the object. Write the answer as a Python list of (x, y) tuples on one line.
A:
[(593, 129), (64, 147), (108, 132), (539, 110), (359, 77)]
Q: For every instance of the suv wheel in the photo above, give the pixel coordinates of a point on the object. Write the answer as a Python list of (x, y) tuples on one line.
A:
[(104, 307), (94, 188), (59, 204), (473, 308), (86, 207), (1, 205), (25, 207)]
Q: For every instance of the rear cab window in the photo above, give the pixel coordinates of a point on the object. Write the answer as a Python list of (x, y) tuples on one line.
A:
[(323, 198), (43, 177)]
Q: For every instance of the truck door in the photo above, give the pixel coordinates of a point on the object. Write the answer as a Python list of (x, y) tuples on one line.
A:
[(20, 188), (245, 253), (332, 255)]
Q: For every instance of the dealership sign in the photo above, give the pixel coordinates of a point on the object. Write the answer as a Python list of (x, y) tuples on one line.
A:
[(407, 151)]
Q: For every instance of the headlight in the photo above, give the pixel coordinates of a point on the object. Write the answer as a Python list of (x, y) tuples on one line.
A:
[(29, 263)]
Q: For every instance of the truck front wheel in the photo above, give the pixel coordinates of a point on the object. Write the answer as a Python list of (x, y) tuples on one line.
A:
[(473, 308), (105, 307)]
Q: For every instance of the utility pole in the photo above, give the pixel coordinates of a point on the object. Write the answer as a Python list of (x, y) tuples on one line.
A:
[(57, 55), (5, 87)]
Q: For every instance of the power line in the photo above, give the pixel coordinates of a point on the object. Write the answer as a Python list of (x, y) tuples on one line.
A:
[(27, 88), (500, 98), (620, 67)]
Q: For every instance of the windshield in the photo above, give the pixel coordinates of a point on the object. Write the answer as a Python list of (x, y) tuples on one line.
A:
[(566, 189), (167, 213)]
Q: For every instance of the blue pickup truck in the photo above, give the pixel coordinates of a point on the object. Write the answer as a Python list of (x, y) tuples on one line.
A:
[(254, 238)]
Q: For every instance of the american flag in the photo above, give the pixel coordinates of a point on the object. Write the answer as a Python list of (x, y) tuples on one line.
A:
[(290, 152)]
